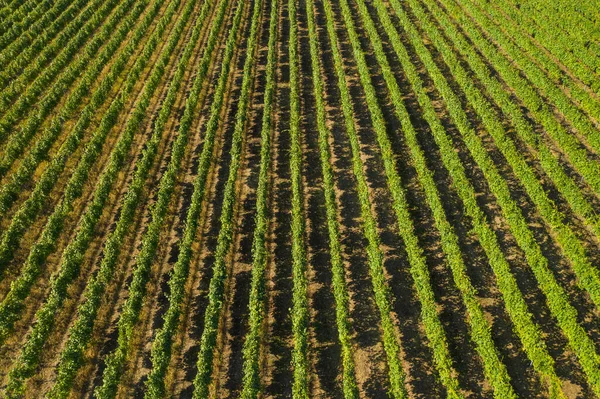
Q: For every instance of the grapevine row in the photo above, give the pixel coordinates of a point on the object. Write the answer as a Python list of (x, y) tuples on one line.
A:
[(374, 254), (11, 305), (161, 346), (80, 332), (572, 114), (527, 330), (70, 45), (212, 313), (251, 349), (32, 206), (572, 53), (46, 27), (300, 294), (338, 273), (548, 161), (419, 271), (567, 143), (584, 97), (494, 370), (20, 22), (130, 313), (588, 277), (557, 298), (75, 251), (94, 63), (16, 77)]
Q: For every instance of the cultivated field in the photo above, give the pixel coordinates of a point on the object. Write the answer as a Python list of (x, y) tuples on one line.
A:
[(300, 199)]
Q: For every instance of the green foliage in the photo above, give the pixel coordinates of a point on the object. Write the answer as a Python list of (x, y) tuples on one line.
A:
[(80, 332), (29, 210), (75, 251), (375, 257), (299, 294), (337, 266), (90, 63), (556, 297), (251, 349), (116, 359), (161, 347)]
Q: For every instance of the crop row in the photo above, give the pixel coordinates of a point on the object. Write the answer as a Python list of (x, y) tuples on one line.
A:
[(9, 16), (567, 143), (499, 188), (28, 211), (90, 60), (551, 84), (569, 50), (338, 273), (514, 301), (47, 28), (419, 271), (569, 18), (80, 333), (374, 254), (52, 58), (216, 289), (11, 305), (542, 83), (251, 348), (584, 96), (22, 20), (571, 246), (523, 127), (23, 94), (495, 371), (557, 298), (161, 347), (300, 283), (130, 313), (75, 251), (8, 7)]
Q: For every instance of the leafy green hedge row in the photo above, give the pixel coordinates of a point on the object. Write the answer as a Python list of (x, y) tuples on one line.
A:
[(575, 19), (28, 211), (588, 275), (75, 251), (251, 349), (582, 84), (340, 292), (494, 370), (80, 333), (549, 84), (25, 78), (557, 299), (161, 347), (89, 63), (137, 289), (515, 304), (374, 254), (22, 20), (300, 293)]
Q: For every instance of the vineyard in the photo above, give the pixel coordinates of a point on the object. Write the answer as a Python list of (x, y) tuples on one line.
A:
[(300, 199)]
